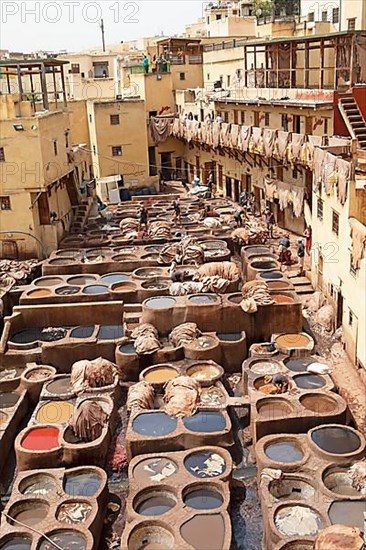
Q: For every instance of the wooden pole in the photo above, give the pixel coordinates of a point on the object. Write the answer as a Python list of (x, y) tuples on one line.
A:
[(63, 85), (306, 64), (44, 86), (20, 84)]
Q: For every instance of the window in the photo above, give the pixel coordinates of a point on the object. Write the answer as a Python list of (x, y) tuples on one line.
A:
[(235, 116), (66, 139), (208, 76), (116, 151), (335, 222), (266, 119), (256, 118), (218, 17), (335, 15), (114, 120), (5, 203), (295, 173), (226, 116), (94, 150), (182, 76), (75, 68), (320, 210), (90, 118), (311, 17), (284, 122), (228, 80), (242, 117), (324, 15), (352, 268), (55, 148), (352, 24), (326, 126), (2, 154), (238, 74), (152, 114), (350, 317)]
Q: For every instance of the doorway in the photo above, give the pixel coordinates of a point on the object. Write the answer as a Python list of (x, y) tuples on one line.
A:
[(220, 177), (236, 190), (339, 314), (166, 165), (228, 186), (320, 272)]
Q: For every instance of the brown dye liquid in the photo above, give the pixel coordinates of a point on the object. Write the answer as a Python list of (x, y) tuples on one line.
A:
[(281, 299), (204, 373), (40, 293), (32, 516), (124, 287), (48, 282), (292, 341), (274, 410), (277, 285), (55, 412), (318, 404), (205, 532), (161, 374)]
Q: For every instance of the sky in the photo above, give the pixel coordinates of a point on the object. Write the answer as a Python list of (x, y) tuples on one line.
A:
[(73, 25)]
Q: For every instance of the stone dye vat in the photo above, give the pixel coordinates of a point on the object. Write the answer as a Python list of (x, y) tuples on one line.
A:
[(72, 517), (313, 492), (294, 343), (166, 508), (14, 406), (306, 400), (155, 430), (54, 441)]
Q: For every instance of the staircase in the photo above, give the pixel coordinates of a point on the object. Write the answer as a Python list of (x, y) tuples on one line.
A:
[(353, 118), (81, 214)]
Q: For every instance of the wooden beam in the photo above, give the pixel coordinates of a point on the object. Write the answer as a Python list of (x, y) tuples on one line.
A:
[(321, 64), (20, 83), (44, 87), (306, 65)]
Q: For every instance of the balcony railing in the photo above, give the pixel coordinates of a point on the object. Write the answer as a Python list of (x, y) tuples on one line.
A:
[(140, 68)]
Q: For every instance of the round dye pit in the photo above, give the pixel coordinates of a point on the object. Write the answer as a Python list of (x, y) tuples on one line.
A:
[(277, 285), (82, 332), (9, 400), (146, 272), (110, 332), (274, 408), (155, 469), (203, 342), (236, 298), (41, 439), (10, 374), (74, 512), (39, 373), (298, 365), (62, 261), (29, 512), (300, 521), (150, 257), (37, 485), (263, 265), (309, 381), (81, 280), (206, 532), (298, 545), (282, 299), (55, 412), (153, 248), (124, 286), (319, 404), (151, 537), (205, 372), (69, 252), (205, 422), (154, 503), (16, 542), (339, 481), (293, 341), (285, 451), (26, 336), (265, 367), (114, 278), (124, 258), (256, 250), (212, 245), (202, 299), (291, 488), (154, 424), (83, 483), (155, 285), (40, 293), (229, 336), (160, 302), (67, 290), (60, 386), (272, 275), (268, 388), (69, 540), (205, 464), (348, 512), (212, 397), (128, 349), (158, 374), (336, 439), (203, 498), (95, 289)]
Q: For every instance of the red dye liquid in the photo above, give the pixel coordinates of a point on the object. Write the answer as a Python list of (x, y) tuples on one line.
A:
[(41, 439)]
